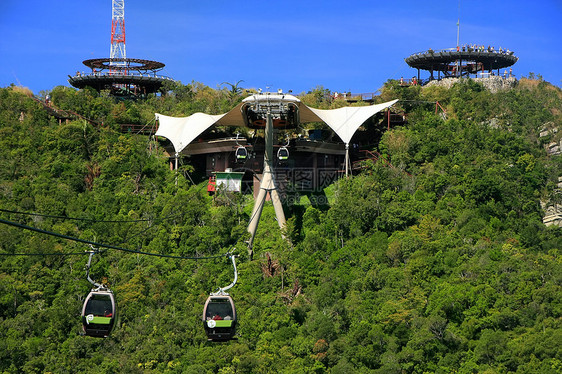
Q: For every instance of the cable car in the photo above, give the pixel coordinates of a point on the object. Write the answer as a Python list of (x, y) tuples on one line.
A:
[(99, 310), (219, 318), (98, 313), (283, 152), (241, 151), (219, 313)]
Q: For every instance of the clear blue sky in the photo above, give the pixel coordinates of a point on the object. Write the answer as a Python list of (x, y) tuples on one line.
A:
[(341, 45)]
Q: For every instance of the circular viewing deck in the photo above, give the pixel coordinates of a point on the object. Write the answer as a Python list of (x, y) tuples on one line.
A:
[(123, 64), (122, 77), (462, 61)]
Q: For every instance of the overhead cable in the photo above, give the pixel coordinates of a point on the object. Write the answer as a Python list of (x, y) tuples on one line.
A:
[(108, 246), (84, 219)]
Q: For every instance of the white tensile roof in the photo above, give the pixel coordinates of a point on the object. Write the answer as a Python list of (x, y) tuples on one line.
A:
[(183, 130), (344, 121)]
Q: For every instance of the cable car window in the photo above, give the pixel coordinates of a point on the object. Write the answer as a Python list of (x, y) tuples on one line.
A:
[(219, 310), (99, 305)]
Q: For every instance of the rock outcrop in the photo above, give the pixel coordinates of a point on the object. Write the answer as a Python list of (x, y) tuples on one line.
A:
[(493, 83)]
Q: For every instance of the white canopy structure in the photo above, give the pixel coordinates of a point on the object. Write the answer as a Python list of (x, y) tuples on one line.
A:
[(183, 130), (343, 121)]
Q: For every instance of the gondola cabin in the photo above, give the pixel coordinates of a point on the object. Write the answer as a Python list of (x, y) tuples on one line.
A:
[(219, 318), (283, 154), (98, 313), (241, 153)]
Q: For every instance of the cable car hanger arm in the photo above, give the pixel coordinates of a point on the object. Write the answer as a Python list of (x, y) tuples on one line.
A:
[(222, 290), (88, 265)]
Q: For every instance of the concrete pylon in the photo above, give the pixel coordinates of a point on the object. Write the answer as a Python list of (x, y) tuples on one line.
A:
[(267, 185)]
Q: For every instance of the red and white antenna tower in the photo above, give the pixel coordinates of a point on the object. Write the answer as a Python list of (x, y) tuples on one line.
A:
[(126, 77), (117, 33)]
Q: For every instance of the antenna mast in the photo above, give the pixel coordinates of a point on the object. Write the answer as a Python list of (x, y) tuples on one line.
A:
[(117, 33), (124, 77), (458, 24)]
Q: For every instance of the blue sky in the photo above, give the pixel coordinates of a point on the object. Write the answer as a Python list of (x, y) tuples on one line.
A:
[(293, 45)]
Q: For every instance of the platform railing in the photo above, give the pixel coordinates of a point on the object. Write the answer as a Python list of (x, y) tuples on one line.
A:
[(113, 74), (466, 48), (350, 96)]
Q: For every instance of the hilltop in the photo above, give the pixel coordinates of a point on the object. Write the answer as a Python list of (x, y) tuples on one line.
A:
[(440, 263)]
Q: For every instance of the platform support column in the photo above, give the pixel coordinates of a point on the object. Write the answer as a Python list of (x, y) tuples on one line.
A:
[(347, 160), (388, 119)]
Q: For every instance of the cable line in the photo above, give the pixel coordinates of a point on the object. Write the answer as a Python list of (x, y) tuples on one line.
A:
[(30, 228), (44, 254), (84, 219)]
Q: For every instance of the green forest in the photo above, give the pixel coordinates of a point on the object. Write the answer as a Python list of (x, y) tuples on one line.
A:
[(438, 264)]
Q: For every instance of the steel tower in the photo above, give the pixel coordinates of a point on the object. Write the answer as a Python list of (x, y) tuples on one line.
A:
[(117, 33), (123, 77)]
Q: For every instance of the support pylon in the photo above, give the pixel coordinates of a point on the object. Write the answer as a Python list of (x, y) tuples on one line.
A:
[(267, 185)]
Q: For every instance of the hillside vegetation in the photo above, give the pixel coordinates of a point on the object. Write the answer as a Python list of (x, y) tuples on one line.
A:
[(440, 264)]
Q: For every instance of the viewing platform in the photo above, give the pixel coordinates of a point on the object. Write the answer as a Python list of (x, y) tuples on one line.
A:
[(136, 84), (461, 61), (124, 77)]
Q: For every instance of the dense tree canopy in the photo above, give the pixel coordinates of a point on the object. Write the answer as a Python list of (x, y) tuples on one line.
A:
[(438, 264)]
